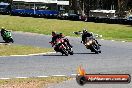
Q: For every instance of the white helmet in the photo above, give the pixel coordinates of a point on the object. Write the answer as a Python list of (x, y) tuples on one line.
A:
[(2, 28), (84, 30)]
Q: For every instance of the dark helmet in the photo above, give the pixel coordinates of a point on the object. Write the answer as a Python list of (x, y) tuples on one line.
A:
[(53, 33), (61, 35)]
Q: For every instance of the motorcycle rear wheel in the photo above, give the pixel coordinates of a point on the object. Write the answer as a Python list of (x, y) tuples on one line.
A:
[(71, 53)]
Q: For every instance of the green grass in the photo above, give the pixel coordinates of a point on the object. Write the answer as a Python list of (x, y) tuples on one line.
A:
[(31, 82), (45, 26), (6, 50)]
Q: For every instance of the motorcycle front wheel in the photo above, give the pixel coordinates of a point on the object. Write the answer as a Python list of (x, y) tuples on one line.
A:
[(95, 49), (64, 52)]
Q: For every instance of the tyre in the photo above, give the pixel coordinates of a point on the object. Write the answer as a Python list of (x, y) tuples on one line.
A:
[(64, 52), (96, 52), (95, 49), (100, 51), (6, 41), (71, 53), (11, 40)]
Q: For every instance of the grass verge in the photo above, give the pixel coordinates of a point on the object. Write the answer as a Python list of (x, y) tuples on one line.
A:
[(6, 50), (31, 82), (45, 26)]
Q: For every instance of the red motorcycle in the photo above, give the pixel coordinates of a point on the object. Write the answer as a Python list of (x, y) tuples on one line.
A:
[(61, 46)]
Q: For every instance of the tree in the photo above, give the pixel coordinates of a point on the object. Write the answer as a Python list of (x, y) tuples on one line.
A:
[(122, 7), (7, 1)]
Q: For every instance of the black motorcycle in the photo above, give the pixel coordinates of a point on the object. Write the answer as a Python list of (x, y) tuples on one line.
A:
[(90, 43)]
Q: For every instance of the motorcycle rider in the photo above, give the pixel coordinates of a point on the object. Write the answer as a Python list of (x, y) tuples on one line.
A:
[(56, 36), (86, 34), (66, 40), (6, 35), (3, 31)]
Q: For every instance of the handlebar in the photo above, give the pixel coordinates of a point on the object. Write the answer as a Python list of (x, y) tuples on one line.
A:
[(77, 33), (94, 35)]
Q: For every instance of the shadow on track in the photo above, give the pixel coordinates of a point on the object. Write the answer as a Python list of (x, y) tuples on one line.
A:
[(84, 53), (64, 55), (2, 42), (52, 55)]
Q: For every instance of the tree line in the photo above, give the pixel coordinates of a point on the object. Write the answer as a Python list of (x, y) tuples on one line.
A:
[(83, 6)]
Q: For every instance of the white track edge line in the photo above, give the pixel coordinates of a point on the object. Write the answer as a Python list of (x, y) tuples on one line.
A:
[(29, 54), (43, 76), (40, 76), (58, 75), (4, 78), (22, 77)]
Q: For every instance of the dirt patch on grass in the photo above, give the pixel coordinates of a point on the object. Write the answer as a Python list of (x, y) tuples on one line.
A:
[(22, 85), (31, 82)]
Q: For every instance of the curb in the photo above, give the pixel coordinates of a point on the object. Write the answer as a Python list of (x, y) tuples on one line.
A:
[(72, 75), (5, 44), (29, 54)]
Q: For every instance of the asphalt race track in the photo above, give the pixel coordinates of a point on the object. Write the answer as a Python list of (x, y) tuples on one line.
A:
[(116, 57)]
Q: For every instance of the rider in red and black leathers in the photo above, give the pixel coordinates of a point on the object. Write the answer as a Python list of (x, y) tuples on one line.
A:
[(65, 40), (55, 36)]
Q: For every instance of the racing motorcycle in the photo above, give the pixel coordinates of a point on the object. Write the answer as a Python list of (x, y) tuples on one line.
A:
[(7, 37), (61, 46), (90, 43)]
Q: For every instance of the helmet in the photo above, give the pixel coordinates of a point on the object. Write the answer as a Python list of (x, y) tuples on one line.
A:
[(53, 33), (61, 35), (85, 31), (2, 29)]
